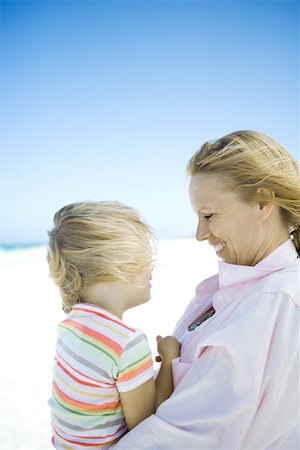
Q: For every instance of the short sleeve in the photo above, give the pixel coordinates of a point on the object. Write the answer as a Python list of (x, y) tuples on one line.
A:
[(135, 365)]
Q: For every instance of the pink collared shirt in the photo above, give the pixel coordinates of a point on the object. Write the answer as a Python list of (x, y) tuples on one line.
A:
[(237, 379)]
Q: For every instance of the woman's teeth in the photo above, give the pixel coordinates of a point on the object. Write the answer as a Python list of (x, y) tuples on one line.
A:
[(219, 247)]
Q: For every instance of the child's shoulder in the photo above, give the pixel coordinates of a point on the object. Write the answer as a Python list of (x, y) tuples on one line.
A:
[(102, 326)]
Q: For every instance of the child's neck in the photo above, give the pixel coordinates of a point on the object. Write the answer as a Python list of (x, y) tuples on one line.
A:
[(109, 309), (106, 295)]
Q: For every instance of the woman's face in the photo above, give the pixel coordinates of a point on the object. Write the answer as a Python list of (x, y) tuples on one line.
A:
[(233, 227)]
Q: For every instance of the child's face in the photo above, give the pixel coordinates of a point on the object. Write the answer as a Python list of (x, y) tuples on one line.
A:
[(140, 290)]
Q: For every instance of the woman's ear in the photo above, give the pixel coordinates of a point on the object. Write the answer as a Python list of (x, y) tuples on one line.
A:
[(265, 199)]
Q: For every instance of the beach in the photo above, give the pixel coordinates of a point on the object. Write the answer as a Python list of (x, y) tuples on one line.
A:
[(32, 310)]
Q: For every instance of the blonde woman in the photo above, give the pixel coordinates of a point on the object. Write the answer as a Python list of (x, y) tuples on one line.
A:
[(236, 382), (101, 257)]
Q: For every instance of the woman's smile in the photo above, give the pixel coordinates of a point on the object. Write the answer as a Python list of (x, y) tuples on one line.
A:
[(219, 247)]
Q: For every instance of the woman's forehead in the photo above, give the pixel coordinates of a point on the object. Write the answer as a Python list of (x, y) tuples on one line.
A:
[(208, 182), (209, 191)]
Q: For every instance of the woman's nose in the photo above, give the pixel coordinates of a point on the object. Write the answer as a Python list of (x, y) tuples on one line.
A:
[(203, 231)]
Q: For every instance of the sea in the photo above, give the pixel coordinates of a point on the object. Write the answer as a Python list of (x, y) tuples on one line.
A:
[(31, 310)]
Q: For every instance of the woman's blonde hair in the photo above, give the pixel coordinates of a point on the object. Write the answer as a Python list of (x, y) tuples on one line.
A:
[(97, 241), (249, 160)]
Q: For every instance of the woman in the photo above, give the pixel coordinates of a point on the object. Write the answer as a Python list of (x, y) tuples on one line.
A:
[(236, 383)]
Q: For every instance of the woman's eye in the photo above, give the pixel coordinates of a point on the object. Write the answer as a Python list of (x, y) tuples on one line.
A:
[(208, 217)]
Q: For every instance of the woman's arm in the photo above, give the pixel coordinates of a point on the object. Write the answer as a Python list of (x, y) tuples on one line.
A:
[(206, 411), (138, 404), (169, 349)]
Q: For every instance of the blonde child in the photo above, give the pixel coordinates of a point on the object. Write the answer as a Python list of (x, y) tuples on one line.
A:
[(101, 257)]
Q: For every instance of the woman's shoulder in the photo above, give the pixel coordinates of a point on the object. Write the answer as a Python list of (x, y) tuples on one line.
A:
[(285, 281)]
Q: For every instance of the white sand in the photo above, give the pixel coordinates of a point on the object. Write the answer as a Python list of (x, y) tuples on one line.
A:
[(31, 311)]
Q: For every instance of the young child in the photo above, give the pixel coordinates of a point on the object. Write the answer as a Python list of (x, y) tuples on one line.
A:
[(101, 256)]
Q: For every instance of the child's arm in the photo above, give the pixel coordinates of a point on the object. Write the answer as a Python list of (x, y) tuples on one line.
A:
[(141, 402), (138, 404), (169, 349)]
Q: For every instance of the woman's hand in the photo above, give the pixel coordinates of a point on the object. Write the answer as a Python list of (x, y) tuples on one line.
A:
[(168, 348)]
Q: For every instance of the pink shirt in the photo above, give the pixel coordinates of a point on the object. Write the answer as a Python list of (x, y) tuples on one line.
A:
[(237, 379)]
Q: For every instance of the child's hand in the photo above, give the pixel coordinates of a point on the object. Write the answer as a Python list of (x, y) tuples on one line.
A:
[(168, 348)]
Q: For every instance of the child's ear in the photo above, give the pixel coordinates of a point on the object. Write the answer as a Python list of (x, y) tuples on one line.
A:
[(265, 198)]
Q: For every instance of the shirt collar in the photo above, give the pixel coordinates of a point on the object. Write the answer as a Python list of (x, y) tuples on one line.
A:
[(233, 274)]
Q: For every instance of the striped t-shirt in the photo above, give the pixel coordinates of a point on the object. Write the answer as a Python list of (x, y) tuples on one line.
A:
[(97, 356)]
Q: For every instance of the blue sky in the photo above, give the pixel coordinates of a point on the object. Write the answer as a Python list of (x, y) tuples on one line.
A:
[(107, 100)]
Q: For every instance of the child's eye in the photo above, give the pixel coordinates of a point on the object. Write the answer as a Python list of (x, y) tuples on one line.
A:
[(208, 217)]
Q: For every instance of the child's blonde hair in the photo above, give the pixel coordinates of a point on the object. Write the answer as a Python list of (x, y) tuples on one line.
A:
[(248, 160), (97, 241)]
